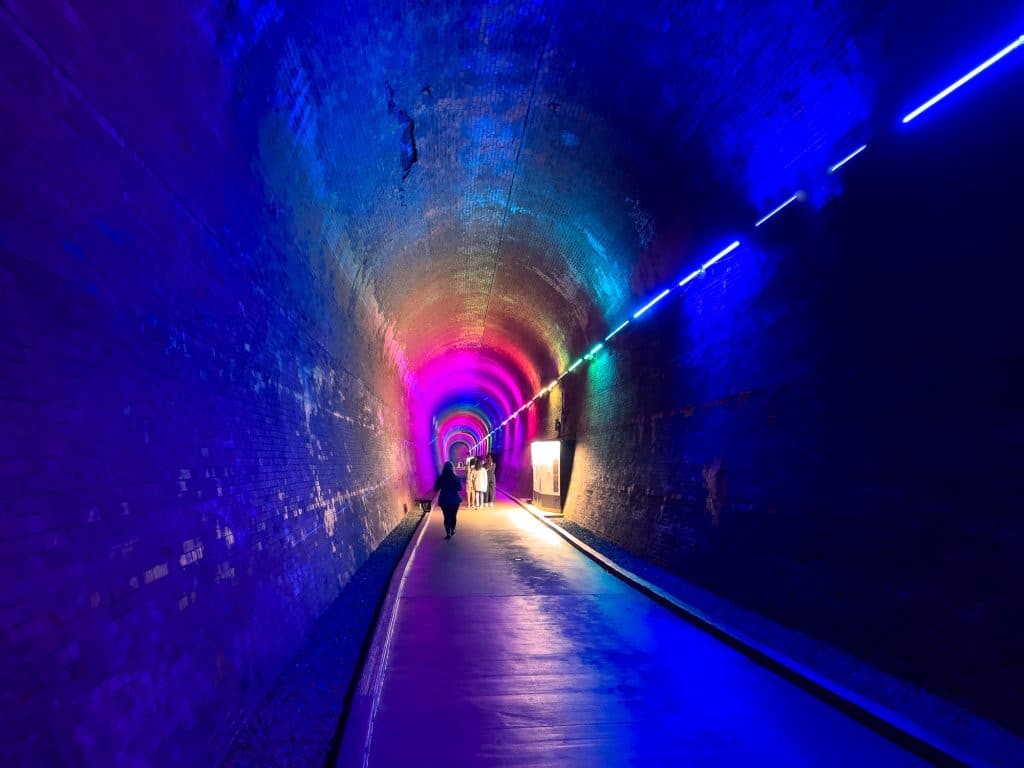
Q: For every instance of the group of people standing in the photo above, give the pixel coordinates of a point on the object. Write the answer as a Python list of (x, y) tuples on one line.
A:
[(481, 474), (480, 480)]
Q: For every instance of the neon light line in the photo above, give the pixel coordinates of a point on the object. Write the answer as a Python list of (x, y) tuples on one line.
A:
[(606, 338), (1018, 43), (689, 277), (765, 218), (651, 303), (969, 76), (848, 158), (597, 348), (721, 254)]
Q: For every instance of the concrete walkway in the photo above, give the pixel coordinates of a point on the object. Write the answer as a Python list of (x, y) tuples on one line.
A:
[(511, 648)]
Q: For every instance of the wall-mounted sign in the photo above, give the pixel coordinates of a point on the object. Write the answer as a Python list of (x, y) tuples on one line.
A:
[(545, 456)]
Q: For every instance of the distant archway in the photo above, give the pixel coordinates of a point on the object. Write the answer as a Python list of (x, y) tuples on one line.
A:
[(458, 452)]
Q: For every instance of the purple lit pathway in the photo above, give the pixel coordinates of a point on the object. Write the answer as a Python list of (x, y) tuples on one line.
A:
[(513, 649)]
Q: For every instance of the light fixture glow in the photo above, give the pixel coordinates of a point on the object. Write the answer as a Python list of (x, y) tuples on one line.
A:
[(606, 338), (848, 158), (597, 348), (765, 218), (544, 451), (689, 277), (721, 254), (575, 365), (969, 76), (651, 303)]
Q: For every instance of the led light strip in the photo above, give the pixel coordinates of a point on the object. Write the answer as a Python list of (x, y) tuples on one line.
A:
[(966, 78), (651, 303), (721, 254), (609, 336), (1018, 43), (848, 158), (600, 345), (767, 216)]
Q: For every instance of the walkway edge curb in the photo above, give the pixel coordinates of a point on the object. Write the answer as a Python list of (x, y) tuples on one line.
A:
[(358, 733), (885, 722)]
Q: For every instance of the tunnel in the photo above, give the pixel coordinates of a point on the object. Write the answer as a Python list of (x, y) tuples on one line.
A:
[(756, 267)]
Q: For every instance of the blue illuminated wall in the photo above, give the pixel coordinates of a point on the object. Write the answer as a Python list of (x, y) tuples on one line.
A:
[(827, 429)]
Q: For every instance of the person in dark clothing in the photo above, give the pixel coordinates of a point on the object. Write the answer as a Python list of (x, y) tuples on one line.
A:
[(492, 478), (448, 487)]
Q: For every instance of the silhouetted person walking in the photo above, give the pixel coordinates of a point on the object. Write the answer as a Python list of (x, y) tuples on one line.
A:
[(449, 487)]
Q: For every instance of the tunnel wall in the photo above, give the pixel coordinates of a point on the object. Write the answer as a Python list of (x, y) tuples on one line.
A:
[(827, 428), (204, 434)]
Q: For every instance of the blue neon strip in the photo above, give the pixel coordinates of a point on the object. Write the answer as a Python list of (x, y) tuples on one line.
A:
[(689, 277), (651, 303), (597, 348), (1018, 43), (616, 330), (721, 254), (969, 76), (848, 158), (765, 218)]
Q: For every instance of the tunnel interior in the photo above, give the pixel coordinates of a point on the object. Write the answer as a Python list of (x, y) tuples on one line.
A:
[(267, 266)]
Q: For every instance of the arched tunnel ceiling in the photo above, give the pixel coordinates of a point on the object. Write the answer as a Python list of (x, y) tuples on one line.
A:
[(506, 178)]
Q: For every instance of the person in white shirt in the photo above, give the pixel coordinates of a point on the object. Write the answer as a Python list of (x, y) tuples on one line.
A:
[(480, 483)]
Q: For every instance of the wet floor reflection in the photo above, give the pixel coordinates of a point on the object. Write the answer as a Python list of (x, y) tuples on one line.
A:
[(512, 648)]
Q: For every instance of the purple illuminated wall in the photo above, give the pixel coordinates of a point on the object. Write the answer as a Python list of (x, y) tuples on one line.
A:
[(200, 443)]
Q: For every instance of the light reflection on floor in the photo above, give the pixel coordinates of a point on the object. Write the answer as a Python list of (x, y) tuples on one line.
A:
[(511, 648)]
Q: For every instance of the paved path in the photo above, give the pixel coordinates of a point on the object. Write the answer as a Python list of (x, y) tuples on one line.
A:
[(513, 649)]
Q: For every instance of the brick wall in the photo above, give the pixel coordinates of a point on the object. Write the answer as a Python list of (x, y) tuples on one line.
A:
[(203, 436), (827, 427)]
